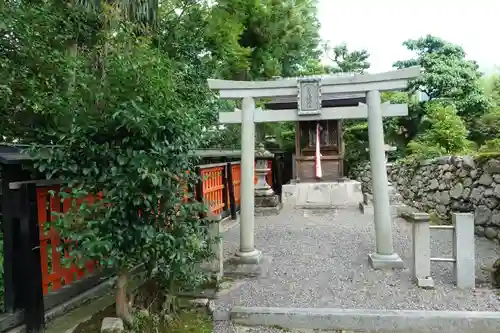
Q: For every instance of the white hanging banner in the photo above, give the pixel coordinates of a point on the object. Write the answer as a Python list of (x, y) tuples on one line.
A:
[(317, 156)]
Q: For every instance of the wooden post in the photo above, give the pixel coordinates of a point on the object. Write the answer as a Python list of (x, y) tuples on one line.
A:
[(225, 184), (199, 186), (13, 260), (31, 267), (232, 199)]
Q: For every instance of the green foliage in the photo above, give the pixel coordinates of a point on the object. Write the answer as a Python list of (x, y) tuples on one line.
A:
[(356, 144), (127, 136), (490, 146), (491, 87), (445, 133), (447, 75), (259, 40), (346, 61), (35, 67), (489, 125), (263, 39)]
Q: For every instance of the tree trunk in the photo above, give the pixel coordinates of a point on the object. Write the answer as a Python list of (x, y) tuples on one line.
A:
[(122, 304)]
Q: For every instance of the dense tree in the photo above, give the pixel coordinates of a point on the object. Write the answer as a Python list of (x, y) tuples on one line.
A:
[(264, 39), (491, 86), (446, 75), (122, 113), (346, 61), (259, 40)]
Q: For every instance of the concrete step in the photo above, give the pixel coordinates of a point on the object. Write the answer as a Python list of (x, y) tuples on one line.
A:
[(366, 320)]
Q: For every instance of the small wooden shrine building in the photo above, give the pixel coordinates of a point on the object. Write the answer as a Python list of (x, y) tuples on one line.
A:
[(331, 142)]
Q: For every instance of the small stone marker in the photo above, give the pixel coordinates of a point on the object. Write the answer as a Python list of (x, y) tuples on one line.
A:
[(112, 325)]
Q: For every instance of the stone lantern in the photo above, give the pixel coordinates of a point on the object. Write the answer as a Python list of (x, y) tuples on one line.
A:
[(266, 201)]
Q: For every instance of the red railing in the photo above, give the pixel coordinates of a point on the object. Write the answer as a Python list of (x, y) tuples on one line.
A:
[(54, 274), (214, 189), (236, 169)]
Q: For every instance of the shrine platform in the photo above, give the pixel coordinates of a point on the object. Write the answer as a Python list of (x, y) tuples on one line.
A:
[(322, 195), (319, 260)]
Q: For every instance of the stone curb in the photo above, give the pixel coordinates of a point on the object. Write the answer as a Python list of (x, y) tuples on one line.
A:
[(369, 320)]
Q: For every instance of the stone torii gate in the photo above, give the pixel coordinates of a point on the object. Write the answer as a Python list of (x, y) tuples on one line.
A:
[(309, 92)]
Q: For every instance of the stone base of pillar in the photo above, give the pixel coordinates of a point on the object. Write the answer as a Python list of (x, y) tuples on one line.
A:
[(425, 283), (267, 205), (381, 261), (253, 264)]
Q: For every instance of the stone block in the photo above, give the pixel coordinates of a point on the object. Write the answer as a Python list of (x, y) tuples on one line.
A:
[(112, 325), (378, 261), (464, 250), (268, 211), (369, 320), (322, 194), (425, 283), (239, 267), (267, 205)]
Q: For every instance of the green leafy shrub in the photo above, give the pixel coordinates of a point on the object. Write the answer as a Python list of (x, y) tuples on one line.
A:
[(355, 137), (129, 138), (444, 133), (489, 125), (490, 146)]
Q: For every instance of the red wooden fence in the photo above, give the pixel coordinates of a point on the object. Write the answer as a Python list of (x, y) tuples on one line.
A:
[(55, 275)]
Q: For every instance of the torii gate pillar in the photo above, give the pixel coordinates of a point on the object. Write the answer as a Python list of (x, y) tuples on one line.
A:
[(384, 257), (247, 252)]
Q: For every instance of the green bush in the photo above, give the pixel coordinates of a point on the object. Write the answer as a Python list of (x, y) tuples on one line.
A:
[(355, 137), (490, 146), (445, 133)]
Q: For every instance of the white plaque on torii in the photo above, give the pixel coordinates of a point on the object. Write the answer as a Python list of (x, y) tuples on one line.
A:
[(308, 96)]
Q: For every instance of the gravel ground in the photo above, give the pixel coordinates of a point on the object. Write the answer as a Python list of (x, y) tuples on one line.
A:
[(320, 260)]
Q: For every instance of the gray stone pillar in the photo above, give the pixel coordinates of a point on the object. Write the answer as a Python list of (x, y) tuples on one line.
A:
[(384, 256), (247, 252)]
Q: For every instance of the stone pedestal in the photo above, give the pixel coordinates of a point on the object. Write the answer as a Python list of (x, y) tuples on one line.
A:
[(266, 202), (325, 195)]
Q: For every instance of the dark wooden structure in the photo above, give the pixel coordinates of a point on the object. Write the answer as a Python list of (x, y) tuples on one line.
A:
[(331, 141)]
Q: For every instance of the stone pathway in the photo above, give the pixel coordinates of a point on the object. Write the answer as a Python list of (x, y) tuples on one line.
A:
[(320, 260), (227, 327)]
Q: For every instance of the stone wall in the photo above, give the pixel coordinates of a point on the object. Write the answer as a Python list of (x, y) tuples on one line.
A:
[(446, 184)]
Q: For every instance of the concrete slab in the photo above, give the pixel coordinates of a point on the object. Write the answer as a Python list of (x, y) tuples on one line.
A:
[(322, 195), (369, 320)]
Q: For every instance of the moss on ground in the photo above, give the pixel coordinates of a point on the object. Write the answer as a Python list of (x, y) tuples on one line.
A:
[(150, 317), (187, 321)]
